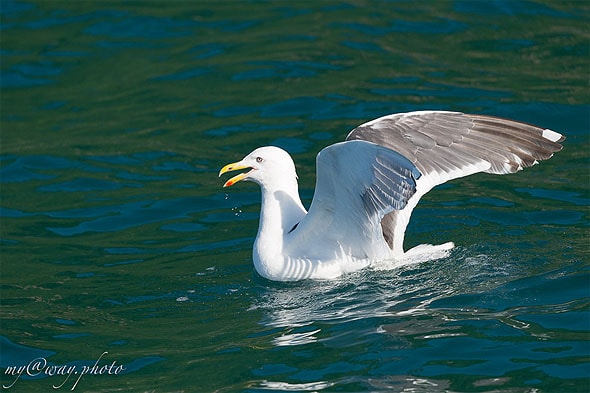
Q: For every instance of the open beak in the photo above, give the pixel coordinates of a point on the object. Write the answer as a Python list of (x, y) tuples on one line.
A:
[(236, 166)]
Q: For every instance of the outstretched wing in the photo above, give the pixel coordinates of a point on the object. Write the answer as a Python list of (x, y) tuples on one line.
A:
[(449, 145), (357, 184)]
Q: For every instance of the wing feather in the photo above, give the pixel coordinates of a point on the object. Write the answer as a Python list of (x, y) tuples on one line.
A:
[(357, 184), (448, 145)]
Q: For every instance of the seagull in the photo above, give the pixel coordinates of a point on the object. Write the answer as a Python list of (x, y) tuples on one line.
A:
[(368, 185)]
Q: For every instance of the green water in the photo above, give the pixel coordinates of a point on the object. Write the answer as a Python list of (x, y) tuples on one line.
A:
[(117, 237)]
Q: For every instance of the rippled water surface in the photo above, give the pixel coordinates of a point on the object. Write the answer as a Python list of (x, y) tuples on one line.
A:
[(120, 248)]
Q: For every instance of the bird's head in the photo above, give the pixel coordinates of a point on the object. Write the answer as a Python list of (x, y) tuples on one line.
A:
[(269, 166)]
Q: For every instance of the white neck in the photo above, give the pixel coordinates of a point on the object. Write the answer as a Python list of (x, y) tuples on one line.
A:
[(280, 211)]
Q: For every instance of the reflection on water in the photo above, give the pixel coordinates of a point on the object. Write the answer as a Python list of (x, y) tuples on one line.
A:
[(406, 291), (433, 319)]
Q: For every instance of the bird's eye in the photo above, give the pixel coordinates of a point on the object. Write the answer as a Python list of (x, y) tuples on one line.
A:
[(259, 159)]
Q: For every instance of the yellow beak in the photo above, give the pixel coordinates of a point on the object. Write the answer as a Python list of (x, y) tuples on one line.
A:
[(236, 166)]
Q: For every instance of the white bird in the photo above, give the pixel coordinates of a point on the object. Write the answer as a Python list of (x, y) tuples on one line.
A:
[(367, 187)]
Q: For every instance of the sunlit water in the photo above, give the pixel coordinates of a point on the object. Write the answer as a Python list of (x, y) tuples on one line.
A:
[(123, 259)]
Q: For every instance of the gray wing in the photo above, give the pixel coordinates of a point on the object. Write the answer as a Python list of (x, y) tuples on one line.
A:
[(449, 145), (357, 184)]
